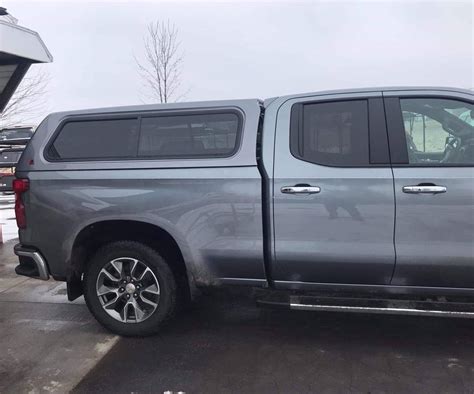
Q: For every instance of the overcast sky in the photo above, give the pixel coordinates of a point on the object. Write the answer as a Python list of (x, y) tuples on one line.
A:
[(240, 50)]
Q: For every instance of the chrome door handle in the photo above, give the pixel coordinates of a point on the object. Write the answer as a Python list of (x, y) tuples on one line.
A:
[(300, 189), (433, 189)]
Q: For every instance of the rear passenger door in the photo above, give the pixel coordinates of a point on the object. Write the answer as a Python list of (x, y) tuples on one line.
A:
[(333, 191), (432, 149)]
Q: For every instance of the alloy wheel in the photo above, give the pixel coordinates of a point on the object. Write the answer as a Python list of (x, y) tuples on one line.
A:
[(128, 290)]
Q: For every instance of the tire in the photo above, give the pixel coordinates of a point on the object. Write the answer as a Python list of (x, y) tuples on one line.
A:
[(112, 280)]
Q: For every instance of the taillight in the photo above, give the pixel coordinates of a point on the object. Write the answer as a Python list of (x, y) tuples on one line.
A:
[(19, 187)]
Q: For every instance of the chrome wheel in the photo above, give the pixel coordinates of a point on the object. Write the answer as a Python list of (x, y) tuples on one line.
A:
[(128, 290)]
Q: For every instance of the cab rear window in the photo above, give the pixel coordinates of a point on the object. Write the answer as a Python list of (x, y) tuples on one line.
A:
[(331, 133)]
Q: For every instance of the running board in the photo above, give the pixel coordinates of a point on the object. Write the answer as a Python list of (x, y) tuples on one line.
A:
[(374, 306), (386, 311)]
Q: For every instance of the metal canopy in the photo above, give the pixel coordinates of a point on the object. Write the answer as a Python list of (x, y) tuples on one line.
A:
[(19, 48)]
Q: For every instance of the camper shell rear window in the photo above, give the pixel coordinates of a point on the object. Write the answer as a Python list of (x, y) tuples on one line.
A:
[(184, 135)]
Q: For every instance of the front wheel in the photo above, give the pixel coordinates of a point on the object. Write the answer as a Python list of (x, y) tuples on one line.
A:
[(129, 288)]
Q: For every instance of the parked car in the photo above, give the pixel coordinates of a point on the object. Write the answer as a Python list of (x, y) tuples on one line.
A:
[(12, 143), (7, 175), (20, 134), (342, 200), (8, 158)]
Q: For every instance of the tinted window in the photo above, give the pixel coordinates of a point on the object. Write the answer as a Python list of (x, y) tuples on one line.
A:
[(438, 131), (189, 135), (96, 139), (335, 133)]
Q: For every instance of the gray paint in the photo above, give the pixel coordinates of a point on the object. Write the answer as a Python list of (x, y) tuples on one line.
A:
[(434, 234), (213, 208), (213, 214), (344, 234), (246, 155)]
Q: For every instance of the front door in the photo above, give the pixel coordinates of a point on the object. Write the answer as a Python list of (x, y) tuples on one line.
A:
[(333, 191), (434, 188)]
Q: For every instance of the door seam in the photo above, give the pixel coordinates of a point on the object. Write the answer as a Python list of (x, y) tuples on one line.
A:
[(394, 193)]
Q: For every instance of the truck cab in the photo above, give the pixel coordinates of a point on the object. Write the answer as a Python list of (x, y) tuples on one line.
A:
[(390, 182)]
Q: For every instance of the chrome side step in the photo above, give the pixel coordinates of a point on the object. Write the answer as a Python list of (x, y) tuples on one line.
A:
[(418, 307), (378, 310)]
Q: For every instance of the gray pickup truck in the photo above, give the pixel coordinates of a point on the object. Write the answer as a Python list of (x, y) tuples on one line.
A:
[(354, 200)]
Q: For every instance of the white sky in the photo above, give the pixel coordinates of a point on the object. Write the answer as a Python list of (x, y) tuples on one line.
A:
[(239, 50)]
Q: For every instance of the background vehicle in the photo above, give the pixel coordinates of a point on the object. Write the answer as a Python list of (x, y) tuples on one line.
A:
[(20, 134), (315, 198), (12, 143), (7, 175)]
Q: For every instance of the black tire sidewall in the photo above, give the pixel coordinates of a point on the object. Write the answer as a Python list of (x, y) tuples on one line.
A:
[(155, 262)]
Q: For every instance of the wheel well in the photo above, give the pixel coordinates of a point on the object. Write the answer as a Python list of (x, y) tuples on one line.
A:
[(92, 237)]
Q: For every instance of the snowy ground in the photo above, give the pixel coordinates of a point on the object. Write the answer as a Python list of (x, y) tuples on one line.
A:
[(7, 217)]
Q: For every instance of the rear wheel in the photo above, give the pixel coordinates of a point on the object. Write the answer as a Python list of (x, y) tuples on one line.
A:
[(129, 288)]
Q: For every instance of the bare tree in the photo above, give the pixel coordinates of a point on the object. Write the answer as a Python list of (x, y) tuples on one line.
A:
[(28, 101), (161, 68)]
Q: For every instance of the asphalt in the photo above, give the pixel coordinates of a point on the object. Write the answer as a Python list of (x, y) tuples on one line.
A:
[(228, 345), (47, 348), (47, 344)]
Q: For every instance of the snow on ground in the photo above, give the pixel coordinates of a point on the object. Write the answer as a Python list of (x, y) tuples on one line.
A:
[(7, 217)]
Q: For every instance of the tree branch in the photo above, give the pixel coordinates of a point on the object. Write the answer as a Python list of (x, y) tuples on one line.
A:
[(28, 100), (160, 70)]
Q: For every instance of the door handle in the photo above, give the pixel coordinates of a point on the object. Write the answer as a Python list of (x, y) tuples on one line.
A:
[(299, 189), (427, 189)]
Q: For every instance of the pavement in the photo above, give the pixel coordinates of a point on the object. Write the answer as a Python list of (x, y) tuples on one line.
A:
[(224, 344), (227, 345), (47, 345), (7, 217)]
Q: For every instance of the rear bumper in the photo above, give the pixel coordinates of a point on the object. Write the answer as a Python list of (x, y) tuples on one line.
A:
[(32, 263)]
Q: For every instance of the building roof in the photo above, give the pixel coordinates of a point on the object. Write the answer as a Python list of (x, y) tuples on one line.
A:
[(19, 48)]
